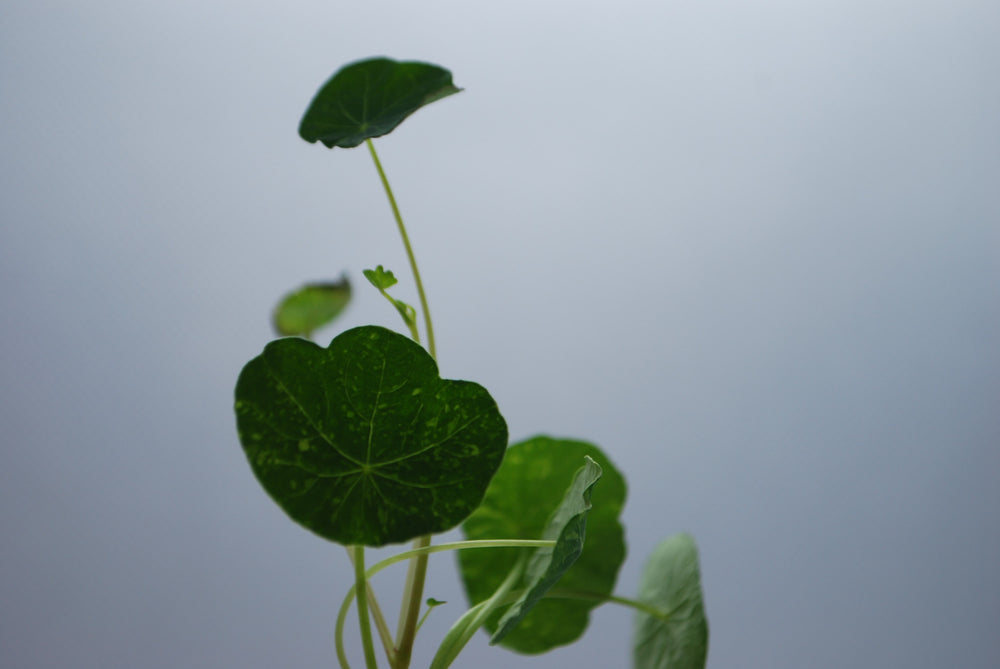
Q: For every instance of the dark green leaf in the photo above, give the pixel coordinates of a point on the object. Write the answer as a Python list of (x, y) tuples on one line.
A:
[(518, 504), (568, 528), (671, 583), (362, 442), (310, 307), (370, 98)]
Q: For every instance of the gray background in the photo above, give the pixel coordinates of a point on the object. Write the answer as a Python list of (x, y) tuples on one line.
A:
[(750, 248)]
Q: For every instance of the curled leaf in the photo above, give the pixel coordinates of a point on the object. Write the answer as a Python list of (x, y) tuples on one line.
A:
[(567, 528), (519, 504)]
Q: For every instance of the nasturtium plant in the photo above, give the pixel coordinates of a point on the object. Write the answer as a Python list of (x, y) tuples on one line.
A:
[(363, 443), (309, 308)]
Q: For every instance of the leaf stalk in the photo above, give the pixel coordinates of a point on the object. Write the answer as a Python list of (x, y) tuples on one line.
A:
[(361, 589), (409, 248)]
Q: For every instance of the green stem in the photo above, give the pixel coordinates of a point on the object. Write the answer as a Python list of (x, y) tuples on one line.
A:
[(401, 557), (413, 593), (458, 546), (414, 589), (361, 589), (409, 249), (466, 626), (339, 635), (380, 624), (556, 593)]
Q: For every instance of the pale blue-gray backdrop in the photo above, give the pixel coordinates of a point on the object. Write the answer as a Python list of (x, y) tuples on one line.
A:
[(750, 248)]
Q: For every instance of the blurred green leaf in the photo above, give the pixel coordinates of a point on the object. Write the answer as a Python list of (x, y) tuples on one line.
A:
[(310, 307), (370, 98), (362, 442), (671, 583), (518, 505)]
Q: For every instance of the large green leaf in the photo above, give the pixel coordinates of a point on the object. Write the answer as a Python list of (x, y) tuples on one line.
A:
[(519, 502), (671, 584), (370, 98), (362, 442), (310, 307)]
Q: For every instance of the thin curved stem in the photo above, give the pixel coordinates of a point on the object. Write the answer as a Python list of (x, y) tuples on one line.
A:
[(460, 546), (383, 629), (409, 249), (557, 593)]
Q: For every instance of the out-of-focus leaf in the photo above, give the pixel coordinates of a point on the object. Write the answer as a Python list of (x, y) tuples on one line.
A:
[(671, 584), (310, 307)]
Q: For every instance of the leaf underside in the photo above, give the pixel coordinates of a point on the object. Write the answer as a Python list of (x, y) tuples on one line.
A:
[(369, 98), (568, 528), (363, 442), (519, 502), (671, 583)]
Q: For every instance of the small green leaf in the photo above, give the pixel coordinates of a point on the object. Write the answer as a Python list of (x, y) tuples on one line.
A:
[(310, 307), (362, 442), (431, 605), (671, 582), (384, 279), (370, 98), (380, 277), (568, 528), (518, 504)]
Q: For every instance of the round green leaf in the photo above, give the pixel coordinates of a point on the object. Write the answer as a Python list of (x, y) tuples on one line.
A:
[(362, 442), (370, 98), (671, 583), (310, 307), (523, 495)]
